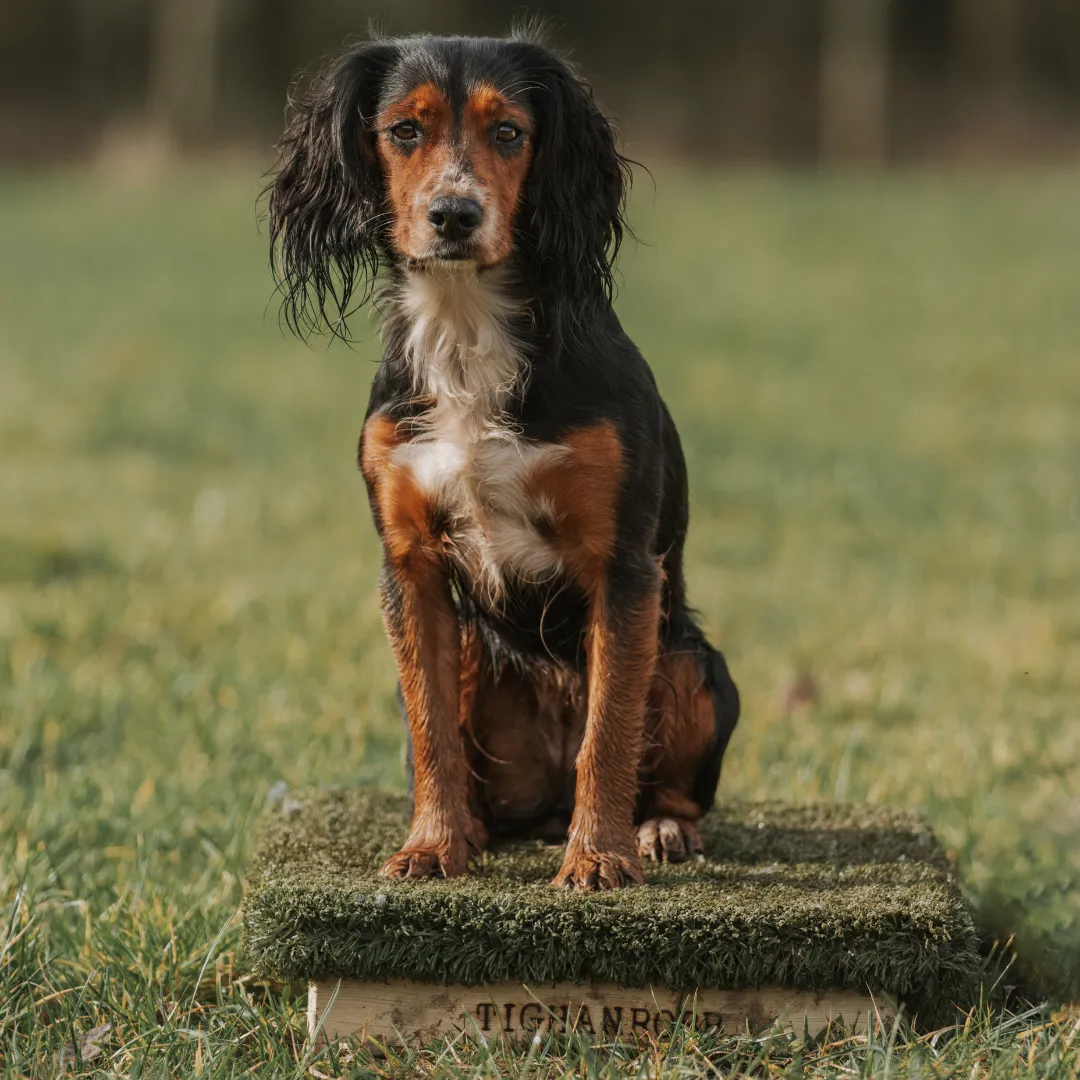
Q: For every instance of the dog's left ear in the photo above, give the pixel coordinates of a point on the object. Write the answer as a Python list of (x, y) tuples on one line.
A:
[(326, 199), (572, 219)]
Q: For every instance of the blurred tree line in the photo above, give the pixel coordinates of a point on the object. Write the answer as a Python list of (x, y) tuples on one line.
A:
[(789, 81)]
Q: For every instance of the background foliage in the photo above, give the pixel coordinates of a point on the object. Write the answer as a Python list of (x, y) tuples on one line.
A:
[(774, 80)]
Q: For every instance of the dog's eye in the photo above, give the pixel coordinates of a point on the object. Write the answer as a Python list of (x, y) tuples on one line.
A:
[(405, 130), (507, 133)]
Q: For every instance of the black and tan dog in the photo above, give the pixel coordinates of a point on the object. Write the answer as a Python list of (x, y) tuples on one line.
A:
[(525, 477)]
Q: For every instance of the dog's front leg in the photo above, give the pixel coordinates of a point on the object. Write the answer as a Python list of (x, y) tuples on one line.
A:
[(622, 643), (423, 629), (422, 625)]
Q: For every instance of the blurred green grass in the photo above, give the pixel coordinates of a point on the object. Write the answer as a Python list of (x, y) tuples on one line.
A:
[(878, 389)]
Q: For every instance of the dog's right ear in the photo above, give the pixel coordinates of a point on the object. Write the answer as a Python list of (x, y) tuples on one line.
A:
[(326, 198)]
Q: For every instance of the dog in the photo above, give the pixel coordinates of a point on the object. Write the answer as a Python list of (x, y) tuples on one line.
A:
[(526, 479)]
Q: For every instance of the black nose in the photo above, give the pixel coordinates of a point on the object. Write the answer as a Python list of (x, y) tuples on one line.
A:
[(455, 218)]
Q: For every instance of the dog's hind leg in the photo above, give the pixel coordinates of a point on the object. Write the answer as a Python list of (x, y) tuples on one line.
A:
[(693, 710)]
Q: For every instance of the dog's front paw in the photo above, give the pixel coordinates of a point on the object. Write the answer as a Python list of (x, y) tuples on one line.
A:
[(666, 839), (428, 857), (425, 862), (595, 870)]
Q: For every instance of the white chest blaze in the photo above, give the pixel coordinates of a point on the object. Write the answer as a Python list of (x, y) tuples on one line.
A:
[(465, 454)]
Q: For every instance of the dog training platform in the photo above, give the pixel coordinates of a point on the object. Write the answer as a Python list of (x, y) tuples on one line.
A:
[(795, 915)]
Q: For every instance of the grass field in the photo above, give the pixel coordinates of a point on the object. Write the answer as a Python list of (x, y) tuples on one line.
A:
[(878, 388)]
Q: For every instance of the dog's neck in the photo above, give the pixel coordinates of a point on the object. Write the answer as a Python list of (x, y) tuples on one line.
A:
[(458, 342)]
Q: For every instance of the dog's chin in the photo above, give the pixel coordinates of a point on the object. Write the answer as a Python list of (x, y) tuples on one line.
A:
[(450, 260)]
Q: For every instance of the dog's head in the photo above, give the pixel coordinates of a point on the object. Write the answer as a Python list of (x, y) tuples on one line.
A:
[(434, 152)]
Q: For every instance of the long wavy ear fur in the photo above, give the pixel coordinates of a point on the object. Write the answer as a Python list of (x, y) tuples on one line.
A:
[(572, 220), (326, 197)]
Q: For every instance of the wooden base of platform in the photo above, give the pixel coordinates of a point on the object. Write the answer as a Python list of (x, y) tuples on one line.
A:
[(400, 1010)]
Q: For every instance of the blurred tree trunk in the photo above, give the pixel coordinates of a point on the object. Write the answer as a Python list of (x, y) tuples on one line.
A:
[(183, 65), (990, 89), (988, 36), (103, 35), (92, 26), (853, 82)]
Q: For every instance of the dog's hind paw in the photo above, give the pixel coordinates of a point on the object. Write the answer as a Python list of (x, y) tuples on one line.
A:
[(667, 839)]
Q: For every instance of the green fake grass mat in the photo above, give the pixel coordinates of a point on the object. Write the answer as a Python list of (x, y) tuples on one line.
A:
[(812, 897)]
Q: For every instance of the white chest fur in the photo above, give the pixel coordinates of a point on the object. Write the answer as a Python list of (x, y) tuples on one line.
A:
[(497, 527), (466, 455)]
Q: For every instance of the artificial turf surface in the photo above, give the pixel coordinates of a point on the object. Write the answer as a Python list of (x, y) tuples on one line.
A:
[(811, 897)]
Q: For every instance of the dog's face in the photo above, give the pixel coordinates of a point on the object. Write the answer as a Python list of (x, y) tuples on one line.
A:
[(427, 151), (454, 166)]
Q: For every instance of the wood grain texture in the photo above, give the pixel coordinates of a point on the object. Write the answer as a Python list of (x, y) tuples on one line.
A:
[(401, 1010)]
